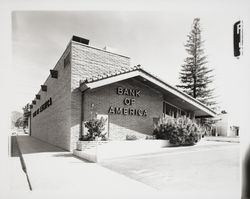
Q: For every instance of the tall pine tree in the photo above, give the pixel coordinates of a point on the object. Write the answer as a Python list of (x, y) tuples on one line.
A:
[(195, 76)]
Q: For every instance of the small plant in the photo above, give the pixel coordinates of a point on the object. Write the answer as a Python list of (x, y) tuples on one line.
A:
[(179, 131), (95, 129), (150, 137), (131, 137)]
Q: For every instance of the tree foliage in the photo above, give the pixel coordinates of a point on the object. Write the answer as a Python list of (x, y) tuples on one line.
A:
[(26, 114), (195, 76), (15, 115), (95, 128), (179, 131), (19, 122)]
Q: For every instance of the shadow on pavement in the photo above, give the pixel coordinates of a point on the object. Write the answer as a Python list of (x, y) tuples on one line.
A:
[(246, 175), (69, 155), (29, 145), (16, 152), (14, 149)]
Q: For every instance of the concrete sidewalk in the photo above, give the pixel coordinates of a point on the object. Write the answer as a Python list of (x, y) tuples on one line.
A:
[(52, 169)]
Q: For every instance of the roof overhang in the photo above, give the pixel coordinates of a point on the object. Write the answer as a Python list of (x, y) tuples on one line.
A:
[(199, 108)]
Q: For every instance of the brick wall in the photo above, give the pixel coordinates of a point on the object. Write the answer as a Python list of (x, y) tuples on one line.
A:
[(89, 62), (53, 124), (121, 125), (59, 124)]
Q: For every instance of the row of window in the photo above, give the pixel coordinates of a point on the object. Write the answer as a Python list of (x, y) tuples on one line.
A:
[(171, 110), (54, 74)]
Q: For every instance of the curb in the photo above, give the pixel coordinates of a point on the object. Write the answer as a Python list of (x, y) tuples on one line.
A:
[(24, 168), (231, 141)]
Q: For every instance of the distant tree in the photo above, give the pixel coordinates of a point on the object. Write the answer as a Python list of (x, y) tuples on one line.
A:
[(195, 76), (26, 114), (15, 115), (19, 122)]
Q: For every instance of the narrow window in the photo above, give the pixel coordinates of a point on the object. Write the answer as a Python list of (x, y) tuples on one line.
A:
[(164, 109), (54, 74), (172, 110)]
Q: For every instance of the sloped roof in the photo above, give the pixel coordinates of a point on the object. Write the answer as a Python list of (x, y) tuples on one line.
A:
[(138, 71), (111, 73)]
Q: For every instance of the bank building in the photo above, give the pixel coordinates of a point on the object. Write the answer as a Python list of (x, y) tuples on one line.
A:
[(88, 82)]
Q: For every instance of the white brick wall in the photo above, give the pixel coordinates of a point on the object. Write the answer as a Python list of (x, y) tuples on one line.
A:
[(59, 124), (88, 62), (53, 124), (121, 125)]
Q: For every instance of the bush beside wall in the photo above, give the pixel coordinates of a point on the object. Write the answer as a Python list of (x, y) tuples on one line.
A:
[(179, 131)]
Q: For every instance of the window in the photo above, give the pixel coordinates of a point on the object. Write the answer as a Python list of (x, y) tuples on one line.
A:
[(171, 110), (54, 74)]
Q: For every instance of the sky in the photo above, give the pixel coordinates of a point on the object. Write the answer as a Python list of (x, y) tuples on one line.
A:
[(152, 38)]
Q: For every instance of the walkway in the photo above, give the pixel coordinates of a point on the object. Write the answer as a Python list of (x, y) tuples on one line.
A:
[(53, 169), (56, 173), (18, 179)]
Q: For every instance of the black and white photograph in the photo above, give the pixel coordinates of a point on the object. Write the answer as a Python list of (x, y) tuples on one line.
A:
[(127, 100)]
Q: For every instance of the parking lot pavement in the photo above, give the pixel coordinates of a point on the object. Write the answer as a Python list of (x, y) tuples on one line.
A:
[(207, 170), (212, 169), (53, 169)]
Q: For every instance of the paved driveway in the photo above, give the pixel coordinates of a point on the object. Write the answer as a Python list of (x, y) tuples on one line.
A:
[(211, 168), (52, 169)]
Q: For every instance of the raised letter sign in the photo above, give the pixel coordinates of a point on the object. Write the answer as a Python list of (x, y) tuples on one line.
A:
[(111, 110), (119, 91)]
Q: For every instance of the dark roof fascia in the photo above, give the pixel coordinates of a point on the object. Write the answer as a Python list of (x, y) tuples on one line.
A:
[(172, 87)]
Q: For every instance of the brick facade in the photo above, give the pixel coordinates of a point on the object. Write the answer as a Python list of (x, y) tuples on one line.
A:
[(60, 123), (99, 100), (89, 62), (53, 124)]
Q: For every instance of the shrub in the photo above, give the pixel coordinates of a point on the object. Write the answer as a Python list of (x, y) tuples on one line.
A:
[(131, 137), (95, 129), (179, 131), (150, 137)]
